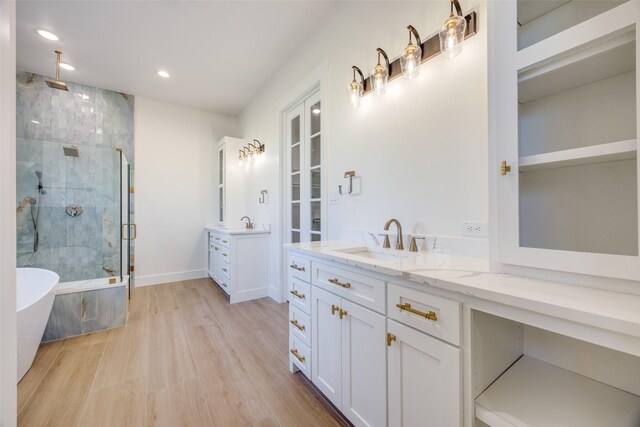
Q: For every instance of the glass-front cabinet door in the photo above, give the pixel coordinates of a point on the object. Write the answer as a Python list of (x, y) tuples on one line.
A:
[(304, 171), (221, 178), (566, 126)]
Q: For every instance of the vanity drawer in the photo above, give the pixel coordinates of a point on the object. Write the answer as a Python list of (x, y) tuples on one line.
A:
[(300, 294), (300, 325), (221, 239), (300, 355), (364, 290), (226, 275), (225, 254), (435, 315), (224, 283), (299, 267)]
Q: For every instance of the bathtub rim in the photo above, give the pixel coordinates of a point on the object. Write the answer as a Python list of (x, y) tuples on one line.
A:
[(39, 295)]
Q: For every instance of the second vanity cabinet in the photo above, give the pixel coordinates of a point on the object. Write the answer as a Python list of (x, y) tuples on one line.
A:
[(238, 262), (364, 354)]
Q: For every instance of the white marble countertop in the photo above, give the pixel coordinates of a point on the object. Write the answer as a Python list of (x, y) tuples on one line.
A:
[(257, 229), (609, 310)]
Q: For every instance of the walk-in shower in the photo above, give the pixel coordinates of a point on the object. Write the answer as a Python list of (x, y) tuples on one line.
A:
[(73, 198)]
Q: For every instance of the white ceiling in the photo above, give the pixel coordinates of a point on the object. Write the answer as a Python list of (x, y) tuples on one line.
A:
[(219, 53)]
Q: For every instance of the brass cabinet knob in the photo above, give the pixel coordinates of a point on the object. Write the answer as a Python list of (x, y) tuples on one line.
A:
[(504, 168), (390, 337)]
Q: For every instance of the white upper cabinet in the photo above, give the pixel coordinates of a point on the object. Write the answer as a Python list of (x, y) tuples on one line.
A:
[(565, 114), (229, 178)]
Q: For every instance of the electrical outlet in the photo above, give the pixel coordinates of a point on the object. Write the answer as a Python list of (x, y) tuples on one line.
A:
[(335, 198), (474, 229)]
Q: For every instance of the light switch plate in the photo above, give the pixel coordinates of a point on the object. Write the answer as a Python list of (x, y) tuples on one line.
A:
[(335, 198)]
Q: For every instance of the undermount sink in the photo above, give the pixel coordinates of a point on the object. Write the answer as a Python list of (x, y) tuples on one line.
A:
[(377, 253)]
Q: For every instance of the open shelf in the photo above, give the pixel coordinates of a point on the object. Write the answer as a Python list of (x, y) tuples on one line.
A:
[(587, 64), (613, 151), (534, 393)]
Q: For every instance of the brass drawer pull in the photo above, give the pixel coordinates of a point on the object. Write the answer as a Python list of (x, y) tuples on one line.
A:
[(224, 241), (216, 238), (297, 325), (339, 283), (224, 254), (224, 284), (216, 248), (225, 270), (390, 337), (343, 313), (296, 267), (334, 308), (296, 294), (295, 353), (431, 315)]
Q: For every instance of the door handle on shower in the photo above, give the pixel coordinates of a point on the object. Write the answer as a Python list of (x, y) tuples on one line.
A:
[(135, 232)]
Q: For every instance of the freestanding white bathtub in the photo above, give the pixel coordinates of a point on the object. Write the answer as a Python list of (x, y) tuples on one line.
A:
[(35, 292)]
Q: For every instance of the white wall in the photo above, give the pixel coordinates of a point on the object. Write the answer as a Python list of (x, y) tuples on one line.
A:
[(420, 150), (8, 349), (174, 188)]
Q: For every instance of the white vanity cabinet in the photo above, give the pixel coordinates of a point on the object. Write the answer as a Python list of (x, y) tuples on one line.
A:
[(238, 262), (424, 379), (349, 357)]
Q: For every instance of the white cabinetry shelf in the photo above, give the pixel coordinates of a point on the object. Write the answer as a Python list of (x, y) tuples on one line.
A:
[(534, 393), (611, 152)]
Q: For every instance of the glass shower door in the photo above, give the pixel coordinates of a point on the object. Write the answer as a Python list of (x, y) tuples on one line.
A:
[(127, 228)]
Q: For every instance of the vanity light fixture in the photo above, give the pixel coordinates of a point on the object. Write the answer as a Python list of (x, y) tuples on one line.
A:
[(380, 73), (453, 31), (47, 35), (356, 89), (411, 58)]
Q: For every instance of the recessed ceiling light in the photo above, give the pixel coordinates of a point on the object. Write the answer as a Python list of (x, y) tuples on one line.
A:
[(163, 73), (47, 35), (67, 66)]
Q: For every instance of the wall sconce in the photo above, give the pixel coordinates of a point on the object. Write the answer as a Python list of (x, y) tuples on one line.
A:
[(356, 89), (380, 73), (452, 32), (448, 42), (251, 151), (411, 58)]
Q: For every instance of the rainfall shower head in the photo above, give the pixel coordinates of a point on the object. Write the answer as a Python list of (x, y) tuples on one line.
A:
[(57, 84), (71, 151)]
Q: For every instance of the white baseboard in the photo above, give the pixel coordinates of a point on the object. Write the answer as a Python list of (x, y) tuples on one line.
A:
[(158, 279)]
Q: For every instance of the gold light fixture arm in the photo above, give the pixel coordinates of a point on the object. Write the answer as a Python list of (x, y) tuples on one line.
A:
[(413, 31), (456, 4), (384, 54)]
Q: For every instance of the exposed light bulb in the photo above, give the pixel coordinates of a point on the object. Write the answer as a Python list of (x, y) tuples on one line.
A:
[(411, 57), (316, 110), (452, 35), (355, 94), (379, 77)]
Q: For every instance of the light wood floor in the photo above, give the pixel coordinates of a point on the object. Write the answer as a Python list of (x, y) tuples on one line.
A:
[(186, 358)]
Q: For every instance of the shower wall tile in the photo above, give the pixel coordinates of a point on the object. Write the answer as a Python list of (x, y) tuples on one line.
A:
[(97, 121), (104, 309)]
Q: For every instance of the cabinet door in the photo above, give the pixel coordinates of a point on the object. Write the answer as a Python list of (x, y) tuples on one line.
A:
[(212, 261), (326, 349), (364, 380), (424, 380)]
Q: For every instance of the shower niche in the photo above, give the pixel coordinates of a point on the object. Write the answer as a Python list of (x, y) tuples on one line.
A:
[(73, 205)]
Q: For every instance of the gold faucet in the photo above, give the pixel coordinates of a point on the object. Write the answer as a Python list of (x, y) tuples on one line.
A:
[(399, 244), (249, 224)]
